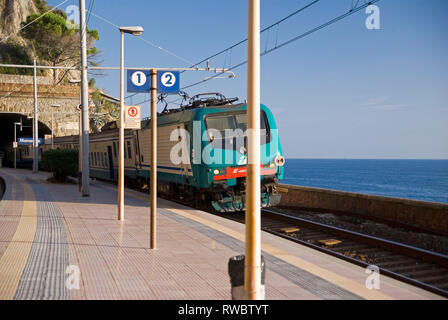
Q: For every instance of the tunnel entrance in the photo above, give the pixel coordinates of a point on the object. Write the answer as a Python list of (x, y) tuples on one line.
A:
[(7, 121)]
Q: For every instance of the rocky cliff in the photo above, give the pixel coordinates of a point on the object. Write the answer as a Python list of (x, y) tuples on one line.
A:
[(12, 14)]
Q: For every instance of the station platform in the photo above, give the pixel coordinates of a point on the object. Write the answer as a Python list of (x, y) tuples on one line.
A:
[(51, 237)]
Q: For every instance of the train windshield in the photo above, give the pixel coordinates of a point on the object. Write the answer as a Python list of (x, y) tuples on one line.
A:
[(235, 123)]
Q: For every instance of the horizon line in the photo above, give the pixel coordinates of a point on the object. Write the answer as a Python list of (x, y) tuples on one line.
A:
[(442, 159)]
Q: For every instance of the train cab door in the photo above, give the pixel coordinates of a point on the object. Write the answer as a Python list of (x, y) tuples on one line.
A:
[(111, 162)]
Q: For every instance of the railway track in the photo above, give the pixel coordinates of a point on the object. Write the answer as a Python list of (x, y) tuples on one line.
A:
[(422, 268)]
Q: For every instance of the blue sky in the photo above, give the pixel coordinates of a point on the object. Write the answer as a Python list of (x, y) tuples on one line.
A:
[(342, 92)]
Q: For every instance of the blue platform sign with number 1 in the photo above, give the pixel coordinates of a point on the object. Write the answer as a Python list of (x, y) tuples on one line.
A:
[(168, 81), (139, 80)]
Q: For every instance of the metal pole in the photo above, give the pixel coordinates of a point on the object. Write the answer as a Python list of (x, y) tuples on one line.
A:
[(52, 136), (15, 149), (36, 126), (121, 137), (153, 182), (84, 102), (252, 272), (80, 151)]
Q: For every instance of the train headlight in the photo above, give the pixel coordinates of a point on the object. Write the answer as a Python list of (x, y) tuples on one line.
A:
[(279, 160), (216, 171), (272, 165)]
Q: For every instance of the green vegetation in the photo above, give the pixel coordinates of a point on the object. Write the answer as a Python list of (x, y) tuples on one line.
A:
[(56, 43), (102, 105), (15, 54), (61, 163), (53, 40)]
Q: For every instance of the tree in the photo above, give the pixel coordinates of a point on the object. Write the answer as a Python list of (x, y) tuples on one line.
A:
[(57, 44)]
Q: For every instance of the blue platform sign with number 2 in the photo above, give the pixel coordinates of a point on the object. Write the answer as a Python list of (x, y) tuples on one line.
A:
[(139, 80), (168, 81)]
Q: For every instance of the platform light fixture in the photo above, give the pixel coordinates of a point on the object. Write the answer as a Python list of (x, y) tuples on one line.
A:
[(135, 31)]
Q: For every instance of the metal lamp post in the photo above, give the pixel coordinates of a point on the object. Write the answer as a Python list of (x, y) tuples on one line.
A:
[(85, 190), (135, 31), (15, 140), (79, 109)]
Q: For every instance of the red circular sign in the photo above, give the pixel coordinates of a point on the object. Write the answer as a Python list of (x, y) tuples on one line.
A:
[(132, 111)]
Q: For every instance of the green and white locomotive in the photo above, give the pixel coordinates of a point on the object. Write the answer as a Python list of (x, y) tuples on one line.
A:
[(201, 154)]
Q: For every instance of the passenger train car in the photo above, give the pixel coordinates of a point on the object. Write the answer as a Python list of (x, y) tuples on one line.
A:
[(197, 162), (24, 156)]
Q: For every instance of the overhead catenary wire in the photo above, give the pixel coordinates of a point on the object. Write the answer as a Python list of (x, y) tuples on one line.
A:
[(263, 30), (229, 49), (300, 36), (142, 39)]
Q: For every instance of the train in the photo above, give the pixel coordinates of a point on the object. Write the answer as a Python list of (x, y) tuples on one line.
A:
[(201, 153)]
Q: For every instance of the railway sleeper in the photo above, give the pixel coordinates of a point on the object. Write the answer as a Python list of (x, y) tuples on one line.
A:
[(432, 272), (403, 269), (436, 281)]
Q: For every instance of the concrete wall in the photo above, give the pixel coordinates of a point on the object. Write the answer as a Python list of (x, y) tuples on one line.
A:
[(429, 216)]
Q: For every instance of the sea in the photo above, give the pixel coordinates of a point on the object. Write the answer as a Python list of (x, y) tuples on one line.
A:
[(425, 180)]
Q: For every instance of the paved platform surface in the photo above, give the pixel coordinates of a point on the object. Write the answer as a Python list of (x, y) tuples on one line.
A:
[(50, 236)]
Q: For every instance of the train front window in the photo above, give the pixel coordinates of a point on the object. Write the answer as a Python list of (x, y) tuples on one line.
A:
[(233, 121)]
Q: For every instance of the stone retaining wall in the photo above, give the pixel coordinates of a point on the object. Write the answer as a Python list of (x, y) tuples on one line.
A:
[(429, 216), (17, 96)]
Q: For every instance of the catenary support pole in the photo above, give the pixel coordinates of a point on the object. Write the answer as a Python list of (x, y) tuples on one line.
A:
[(52, 135), (121, 136), (15, 149), (35, 124), (153, 181), (80, 149), (85, 190), (252, 270)]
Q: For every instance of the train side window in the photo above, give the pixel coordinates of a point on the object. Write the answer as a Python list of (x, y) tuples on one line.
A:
[(106, 160), (129, 149), (102, 160), (115, 149)]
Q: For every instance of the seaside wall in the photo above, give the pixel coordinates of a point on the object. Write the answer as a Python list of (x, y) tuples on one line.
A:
[(429, 216)]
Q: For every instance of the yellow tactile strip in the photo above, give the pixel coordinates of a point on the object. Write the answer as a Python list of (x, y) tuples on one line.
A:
[(14, 259)]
